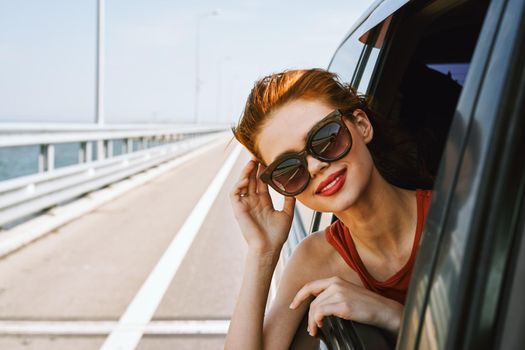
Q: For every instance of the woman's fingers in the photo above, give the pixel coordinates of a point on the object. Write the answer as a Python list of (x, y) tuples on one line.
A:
[(318, 307), (252, 186), (319, 300), (262, 187), (317, 314), (289, 205), (247, 169), (324, 296), (242, 185), (311, 288)]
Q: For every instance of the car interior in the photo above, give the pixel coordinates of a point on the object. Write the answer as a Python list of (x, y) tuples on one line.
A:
[(425, 54), (419, 77)]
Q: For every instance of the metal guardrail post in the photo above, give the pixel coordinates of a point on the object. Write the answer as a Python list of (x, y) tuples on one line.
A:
[(100, 150), (128, 146), (46, 158), (109, 148), (85, 152)]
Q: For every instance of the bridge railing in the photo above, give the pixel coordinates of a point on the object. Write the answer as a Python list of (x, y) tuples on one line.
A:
[(143, 147)]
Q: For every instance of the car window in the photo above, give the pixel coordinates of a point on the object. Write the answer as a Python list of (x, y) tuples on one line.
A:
[(345, 61), (355, 60), (457, 71), (375, 39)]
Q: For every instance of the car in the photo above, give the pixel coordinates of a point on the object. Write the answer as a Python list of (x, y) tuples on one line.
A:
[(451, 73)]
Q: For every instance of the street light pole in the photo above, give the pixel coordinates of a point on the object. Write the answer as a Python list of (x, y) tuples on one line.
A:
[(197, 61), (99, 93)]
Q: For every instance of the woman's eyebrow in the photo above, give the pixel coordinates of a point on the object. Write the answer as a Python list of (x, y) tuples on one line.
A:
[(304, 139), (292, 150)]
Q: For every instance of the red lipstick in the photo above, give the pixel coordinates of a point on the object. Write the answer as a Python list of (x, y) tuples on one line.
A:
[(336, 186)]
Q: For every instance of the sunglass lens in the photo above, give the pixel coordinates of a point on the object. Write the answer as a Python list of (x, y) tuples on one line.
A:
[(290, 175), (331, 141)]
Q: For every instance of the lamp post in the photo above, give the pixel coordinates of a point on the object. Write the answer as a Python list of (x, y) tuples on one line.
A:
[(197, 61), (99, 87)]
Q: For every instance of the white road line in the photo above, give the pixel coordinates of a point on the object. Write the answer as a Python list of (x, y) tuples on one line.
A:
[(176, 327), (131, 325)]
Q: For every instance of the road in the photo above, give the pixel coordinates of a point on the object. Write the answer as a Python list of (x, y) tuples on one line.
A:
[(71, 288)]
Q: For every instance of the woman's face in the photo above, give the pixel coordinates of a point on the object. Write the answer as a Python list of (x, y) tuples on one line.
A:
[(286, 129)]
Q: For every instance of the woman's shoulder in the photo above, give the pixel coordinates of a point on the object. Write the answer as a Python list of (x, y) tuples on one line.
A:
[(313, 253), (315, 245), (315, 258)]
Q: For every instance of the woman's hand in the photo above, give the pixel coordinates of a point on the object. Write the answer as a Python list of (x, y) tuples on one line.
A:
[(338, 297), (264, 228)]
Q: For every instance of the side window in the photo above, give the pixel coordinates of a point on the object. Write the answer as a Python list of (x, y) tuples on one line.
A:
[(356, 59), (345, 60), (457, 71), (374, 39), (417, 82)]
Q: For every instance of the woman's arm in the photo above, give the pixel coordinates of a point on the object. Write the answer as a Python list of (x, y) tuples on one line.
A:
[(265, 231), (249, 328), (246, 325)]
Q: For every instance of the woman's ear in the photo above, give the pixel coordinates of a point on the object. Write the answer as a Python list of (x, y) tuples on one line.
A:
[(363, 125)]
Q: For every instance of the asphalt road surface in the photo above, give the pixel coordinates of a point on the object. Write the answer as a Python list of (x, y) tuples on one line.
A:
[(71, 288)]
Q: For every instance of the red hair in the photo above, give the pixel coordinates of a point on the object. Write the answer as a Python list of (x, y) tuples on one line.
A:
[(274, 91)]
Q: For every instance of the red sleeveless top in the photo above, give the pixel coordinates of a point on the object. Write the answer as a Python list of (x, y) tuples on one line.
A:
[(395, 287)]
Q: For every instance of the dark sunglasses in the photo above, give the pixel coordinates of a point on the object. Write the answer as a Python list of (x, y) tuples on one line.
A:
[(329, 140)]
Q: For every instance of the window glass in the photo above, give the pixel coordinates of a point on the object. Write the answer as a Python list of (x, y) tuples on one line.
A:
[(356, 59), (375, 39), (455, 71), (364, 82), (346, 58)]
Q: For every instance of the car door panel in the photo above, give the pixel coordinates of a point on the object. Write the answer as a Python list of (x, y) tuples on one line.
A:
[(468, 211)]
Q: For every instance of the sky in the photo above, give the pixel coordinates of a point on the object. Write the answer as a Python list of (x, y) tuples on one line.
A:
[(47, 55)]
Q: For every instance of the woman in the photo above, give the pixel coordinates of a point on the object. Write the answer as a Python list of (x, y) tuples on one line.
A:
[(312, 139)]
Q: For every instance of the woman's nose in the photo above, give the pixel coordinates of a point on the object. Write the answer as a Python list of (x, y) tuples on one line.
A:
[(315, 166)]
